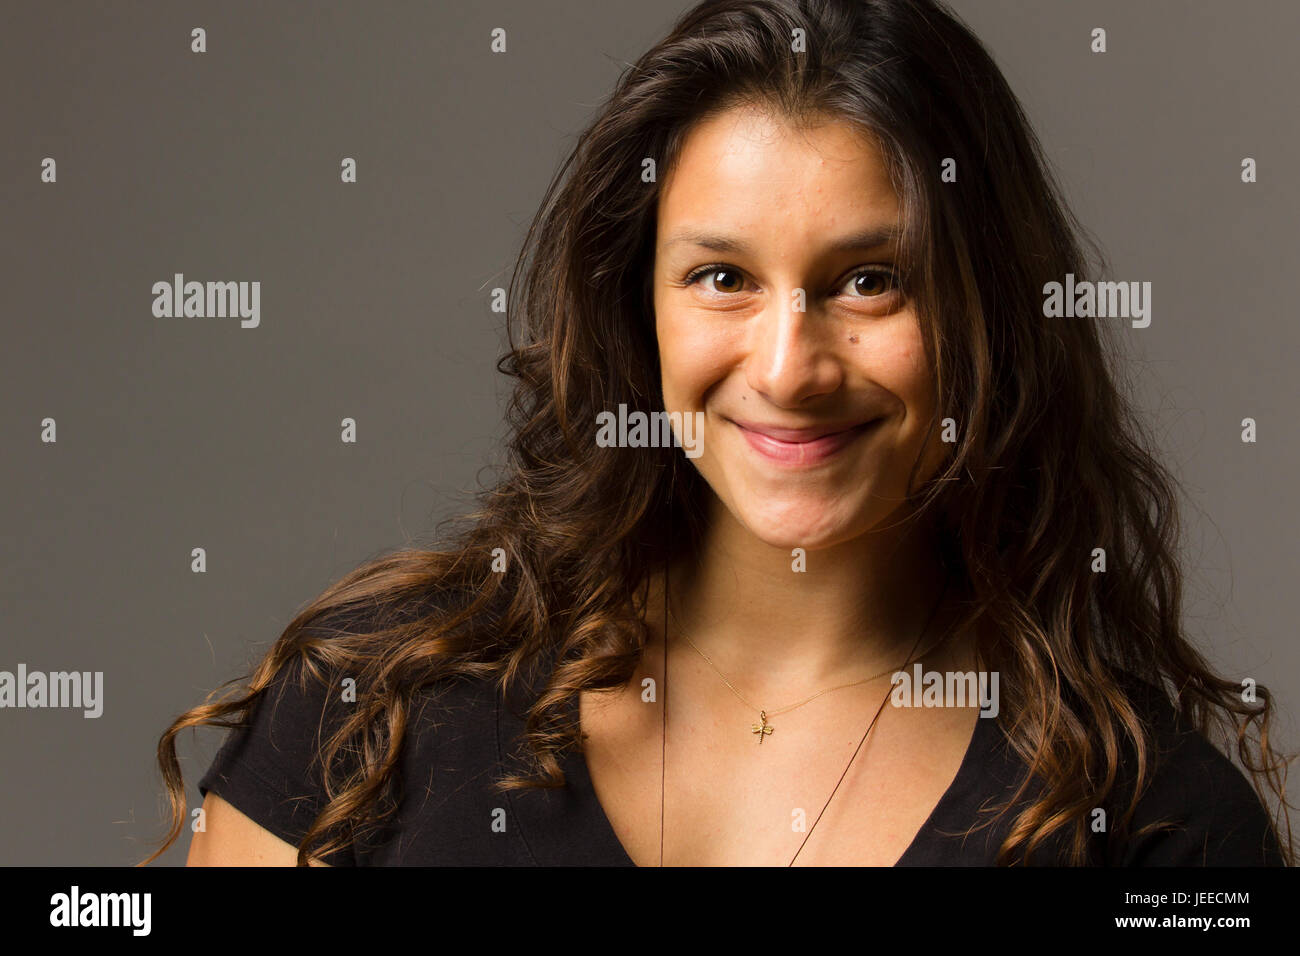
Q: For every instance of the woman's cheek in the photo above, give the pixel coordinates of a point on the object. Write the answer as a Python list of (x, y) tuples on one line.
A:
[(694, 357)]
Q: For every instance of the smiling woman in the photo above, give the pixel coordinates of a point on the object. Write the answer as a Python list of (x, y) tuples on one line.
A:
[(899, 465), (807, 428)]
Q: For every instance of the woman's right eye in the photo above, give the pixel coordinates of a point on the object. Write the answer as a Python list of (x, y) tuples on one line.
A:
[(718, 279)]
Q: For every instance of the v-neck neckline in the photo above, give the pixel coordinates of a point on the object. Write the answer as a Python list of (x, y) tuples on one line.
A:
[(570, 826)]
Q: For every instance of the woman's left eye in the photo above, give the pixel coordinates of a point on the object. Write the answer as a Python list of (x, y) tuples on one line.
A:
[(872, 282)]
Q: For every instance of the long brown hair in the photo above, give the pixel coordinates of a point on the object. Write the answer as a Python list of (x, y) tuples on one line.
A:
[(1051, 461)]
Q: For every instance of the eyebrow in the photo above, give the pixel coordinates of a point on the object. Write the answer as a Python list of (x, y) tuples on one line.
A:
[(867, 239)]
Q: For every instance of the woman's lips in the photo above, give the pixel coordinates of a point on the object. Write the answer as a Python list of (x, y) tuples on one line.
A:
[(806, 446)]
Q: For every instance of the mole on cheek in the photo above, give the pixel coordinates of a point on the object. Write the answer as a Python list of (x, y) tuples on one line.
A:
[(853, 339)]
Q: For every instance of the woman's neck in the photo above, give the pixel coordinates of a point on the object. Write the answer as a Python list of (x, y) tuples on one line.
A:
[(854, 610)]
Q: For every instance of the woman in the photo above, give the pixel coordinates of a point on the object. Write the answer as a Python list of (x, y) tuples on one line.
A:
[(816, 232)]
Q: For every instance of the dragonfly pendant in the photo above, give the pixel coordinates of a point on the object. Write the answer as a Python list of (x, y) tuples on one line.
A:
[(764, 729)]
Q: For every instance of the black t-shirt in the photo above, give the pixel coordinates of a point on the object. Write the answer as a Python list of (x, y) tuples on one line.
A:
[(464, 736)]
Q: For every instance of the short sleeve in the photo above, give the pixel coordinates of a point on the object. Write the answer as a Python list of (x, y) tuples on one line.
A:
[(1216, 817), (270, 770)]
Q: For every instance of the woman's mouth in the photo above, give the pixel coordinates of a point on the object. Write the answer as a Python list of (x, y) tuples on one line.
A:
[(801, 446)]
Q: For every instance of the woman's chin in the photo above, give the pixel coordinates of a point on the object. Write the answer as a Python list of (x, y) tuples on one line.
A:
[(810, 528)]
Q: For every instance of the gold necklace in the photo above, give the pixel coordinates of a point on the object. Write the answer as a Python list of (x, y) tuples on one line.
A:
[(663, 743), (763, 728)]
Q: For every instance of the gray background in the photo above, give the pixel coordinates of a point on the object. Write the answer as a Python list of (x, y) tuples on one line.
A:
[(176, 433)]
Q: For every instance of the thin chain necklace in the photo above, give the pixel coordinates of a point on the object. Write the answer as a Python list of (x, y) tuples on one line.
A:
[(762, 734), (763, 728)]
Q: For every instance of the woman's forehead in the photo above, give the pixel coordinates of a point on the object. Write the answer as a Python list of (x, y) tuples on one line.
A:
[(758, 150), (748, 172)]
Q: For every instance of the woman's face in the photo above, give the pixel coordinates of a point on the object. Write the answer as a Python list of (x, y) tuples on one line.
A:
[(777, 317)]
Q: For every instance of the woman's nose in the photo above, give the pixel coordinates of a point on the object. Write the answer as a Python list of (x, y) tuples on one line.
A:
[(790, 358)]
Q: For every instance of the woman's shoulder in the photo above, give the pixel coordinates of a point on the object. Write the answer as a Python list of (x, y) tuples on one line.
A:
[(1196, 809), (1199, 808), (316, 687), (272, 766)]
